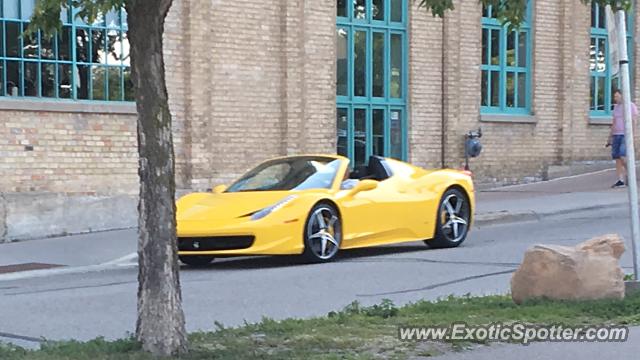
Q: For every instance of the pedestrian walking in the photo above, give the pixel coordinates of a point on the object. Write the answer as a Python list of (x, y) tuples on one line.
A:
[(616, 137)]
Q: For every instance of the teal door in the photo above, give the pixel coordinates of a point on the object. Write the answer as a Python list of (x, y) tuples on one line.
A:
[(371, 79)]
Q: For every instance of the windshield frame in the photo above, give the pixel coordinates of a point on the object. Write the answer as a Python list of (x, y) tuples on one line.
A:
[(335, 183)]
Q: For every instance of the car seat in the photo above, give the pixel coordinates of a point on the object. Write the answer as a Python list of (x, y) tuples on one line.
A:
[(375, 170)]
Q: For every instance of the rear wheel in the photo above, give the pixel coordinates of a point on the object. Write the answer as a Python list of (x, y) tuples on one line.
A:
[(452, 220), (196, 260), (322, 234)]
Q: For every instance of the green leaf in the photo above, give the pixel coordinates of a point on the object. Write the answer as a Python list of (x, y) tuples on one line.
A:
[(508, 12), (46, 14)]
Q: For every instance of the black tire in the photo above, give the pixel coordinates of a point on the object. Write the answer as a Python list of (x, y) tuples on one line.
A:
[(196, 260), (314, 235), (451, 228)]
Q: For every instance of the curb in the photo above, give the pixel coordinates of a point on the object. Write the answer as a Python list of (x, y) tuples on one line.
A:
[(505, 217), (127, 261)]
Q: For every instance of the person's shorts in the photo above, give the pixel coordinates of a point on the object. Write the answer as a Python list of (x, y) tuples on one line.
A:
[(618, 148)]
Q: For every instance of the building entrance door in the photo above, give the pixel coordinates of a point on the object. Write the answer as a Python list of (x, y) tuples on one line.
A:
[(371, 79)]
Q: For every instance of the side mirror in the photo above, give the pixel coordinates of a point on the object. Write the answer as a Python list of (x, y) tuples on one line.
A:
[(219, 189), (363, 185)]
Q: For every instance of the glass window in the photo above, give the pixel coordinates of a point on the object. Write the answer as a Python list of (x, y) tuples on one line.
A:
[(378, 132), (128, 85), (47, 47), (11, 9), (603, 82), (13, 40), (342, 8), (360, 64), (359, 9), (342, 65), (360, 136), (30, 78), (397, 65), (65, 84), (378, 10), (46, 65), (343, 131), (506, 67), (396, 134), (378, 64), (48, 80), (2, 78), (371, 79), (98, 82), (291, 173), (396, 10), (26, 8), (13, 75)]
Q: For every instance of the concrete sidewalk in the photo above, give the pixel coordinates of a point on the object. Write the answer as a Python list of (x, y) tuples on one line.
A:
[(500, 205), (548, 198), (72, 251)]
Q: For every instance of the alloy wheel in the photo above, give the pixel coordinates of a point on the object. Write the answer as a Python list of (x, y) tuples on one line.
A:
[(324, 232), (454, 217)]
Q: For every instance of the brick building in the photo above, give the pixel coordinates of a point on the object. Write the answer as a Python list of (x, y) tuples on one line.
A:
[(253, 79)]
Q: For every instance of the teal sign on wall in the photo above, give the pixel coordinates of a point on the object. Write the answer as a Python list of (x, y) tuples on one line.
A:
[(371, 78)]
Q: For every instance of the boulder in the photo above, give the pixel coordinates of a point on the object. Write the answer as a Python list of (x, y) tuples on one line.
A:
[(590, 270)]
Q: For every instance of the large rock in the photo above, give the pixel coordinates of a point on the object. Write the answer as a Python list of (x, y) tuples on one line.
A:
[(589, 270)]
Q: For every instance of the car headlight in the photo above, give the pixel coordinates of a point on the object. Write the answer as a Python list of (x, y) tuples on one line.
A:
[(269, 209)]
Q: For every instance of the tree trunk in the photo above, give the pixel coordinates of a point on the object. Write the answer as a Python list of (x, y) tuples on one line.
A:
[(160, 326)]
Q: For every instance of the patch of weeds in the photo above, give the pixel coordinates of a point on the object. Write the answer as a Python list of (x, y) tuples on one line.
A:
[(356, 332), (385, 309)]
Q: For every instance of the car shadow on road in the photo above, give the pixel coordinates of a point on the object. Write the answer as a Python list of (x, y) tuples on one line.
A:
[(263, 262)]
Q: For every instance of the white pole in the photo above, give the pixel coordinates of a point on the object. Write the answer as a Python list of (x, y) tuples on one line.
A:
[(631, 158)]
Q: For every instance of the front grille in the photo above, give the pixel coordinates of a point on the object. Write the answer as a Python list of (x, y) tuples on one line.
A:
[(215, 243)]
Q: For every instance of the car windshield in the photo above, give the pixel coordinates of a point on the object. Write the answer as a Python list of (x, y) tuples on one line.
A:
[(293, 173)]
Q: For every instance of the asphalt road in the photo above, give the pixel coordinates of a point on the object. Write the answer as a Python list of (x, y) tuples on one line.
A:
[(103, 303)]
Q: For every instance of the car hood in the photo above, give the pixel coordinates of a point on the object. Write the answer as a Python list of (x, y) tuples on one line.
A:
[(209, 206)]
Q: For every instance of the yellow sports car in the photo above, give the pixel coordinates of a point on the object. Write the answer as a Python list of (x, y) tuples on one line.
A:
[(314, 205)]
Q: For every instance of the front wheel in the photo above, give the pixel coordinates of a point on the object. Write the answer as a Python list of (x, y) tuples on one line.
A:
[(322, 234), (196, 260), (452, 220)]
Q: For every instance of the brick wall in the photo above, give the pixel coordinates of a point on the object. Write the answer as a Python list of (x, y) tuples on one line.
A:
[(512, 149), (176, 44), (249, 80), (319, 82), (235, 78), (463, 42), (82, 152), (261, 79), (560, 131), (425, 82), (72, 152)]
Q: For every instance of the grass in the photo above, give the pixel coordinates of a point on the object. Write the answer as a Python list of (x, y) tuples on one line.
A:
[(356, 332)]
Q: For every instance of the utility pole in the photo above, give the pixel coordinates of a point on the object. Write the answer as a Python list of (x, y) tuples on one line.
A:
[(632, 184)]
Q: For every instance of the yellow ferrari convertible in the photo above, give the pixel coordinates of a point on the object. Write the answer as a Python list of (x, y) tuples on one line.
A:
[(315, 205)]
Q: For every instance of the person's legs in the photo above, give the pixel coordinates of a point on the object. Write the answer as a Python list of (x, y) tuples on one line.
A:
[(618, 152), (620, 169)]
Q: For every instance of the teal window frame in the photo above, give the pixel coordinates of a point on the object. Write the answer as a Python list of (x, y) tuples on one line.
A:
[(490, 24), (598, 75), (63, 64), (392, 106)]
